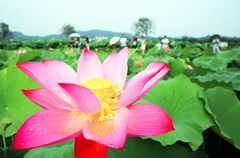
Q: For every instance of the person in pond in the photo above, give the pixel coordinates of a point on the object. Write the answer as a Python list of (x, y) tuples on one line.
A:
[(123, 41), (143, 45), (75, 43), (134, 42), (215, 44), (165, 44), (87, 43)]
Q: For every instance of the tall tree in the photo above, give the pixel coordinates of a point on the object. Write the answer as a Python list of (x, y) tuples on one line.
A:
[(67, 29), (144, 26), (5, 33)]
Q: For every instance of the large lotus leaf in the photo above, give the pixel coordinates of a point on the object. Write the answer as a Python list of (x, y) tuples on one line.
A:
[(227, 76), (176, 52), (218, 76), (30, 55), (189, 52), (132, 52), (14, 105), (217, 62), (211, 62), (224, 107), (230, 54), (11, 58), (179, 98), (165, 59), (147, 60), (63, 150), (152, 51), (236, 83), (134, 147), (198, 70), (213, 83), (177, 66), (237, 61)]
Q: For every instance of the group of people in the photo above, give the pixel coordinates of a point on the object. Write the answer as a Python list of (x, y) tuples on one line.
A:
[(75, 43), (134, 43), (164, 44), (143, 43)]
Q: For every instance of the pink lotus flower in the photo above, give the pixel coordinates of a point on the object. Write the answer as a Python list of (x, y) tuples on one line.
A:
[(94, 105)]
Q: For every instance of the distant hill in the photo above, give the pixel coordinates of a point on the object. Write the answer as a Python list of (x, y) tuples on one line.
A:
[(21, 36), (90, 34), (109, 34)]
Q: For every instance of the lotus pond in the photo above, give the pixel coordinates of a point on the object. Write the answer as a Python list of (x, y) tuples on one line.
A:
[(200, 93)]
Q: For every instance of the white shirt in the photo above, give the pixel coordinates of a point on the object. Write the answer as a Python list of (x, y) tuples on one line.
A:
[(123, 41), (215, 42), (165, 41)]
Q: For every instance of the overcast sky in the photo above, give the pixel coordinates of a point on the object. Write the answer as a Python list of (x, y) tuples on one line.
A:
[(172, 17)]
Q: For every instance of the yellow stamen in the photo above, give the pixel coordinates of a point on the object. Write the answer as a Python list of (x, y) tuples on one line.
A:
[(107, 94)]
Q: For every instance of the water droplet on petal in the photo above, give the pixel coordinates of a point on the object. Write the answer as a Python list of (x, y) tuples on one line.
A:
[(30, 129), (22, 144), (111, 145)]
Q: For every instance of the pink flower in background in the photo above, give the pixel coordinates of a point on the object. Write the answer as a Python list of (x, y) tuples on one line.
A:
[(94, 105)]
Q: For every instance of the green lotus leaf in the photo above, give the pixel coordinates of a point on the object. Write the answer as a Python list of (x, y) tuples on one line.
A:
[(213, 83), (165, 59), (63, 150), (237, 61), (154, 51), (147, 60), (236, 83), (211, 62), (198, 70), (224, 107), (177, 66), (132, 52), (218, 76), (230, 54), (217, 62), (228, 78), (14, 105), (191, 52), (30, 55), (137, 147), (179, 98), (134, 147), (176, 52)]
